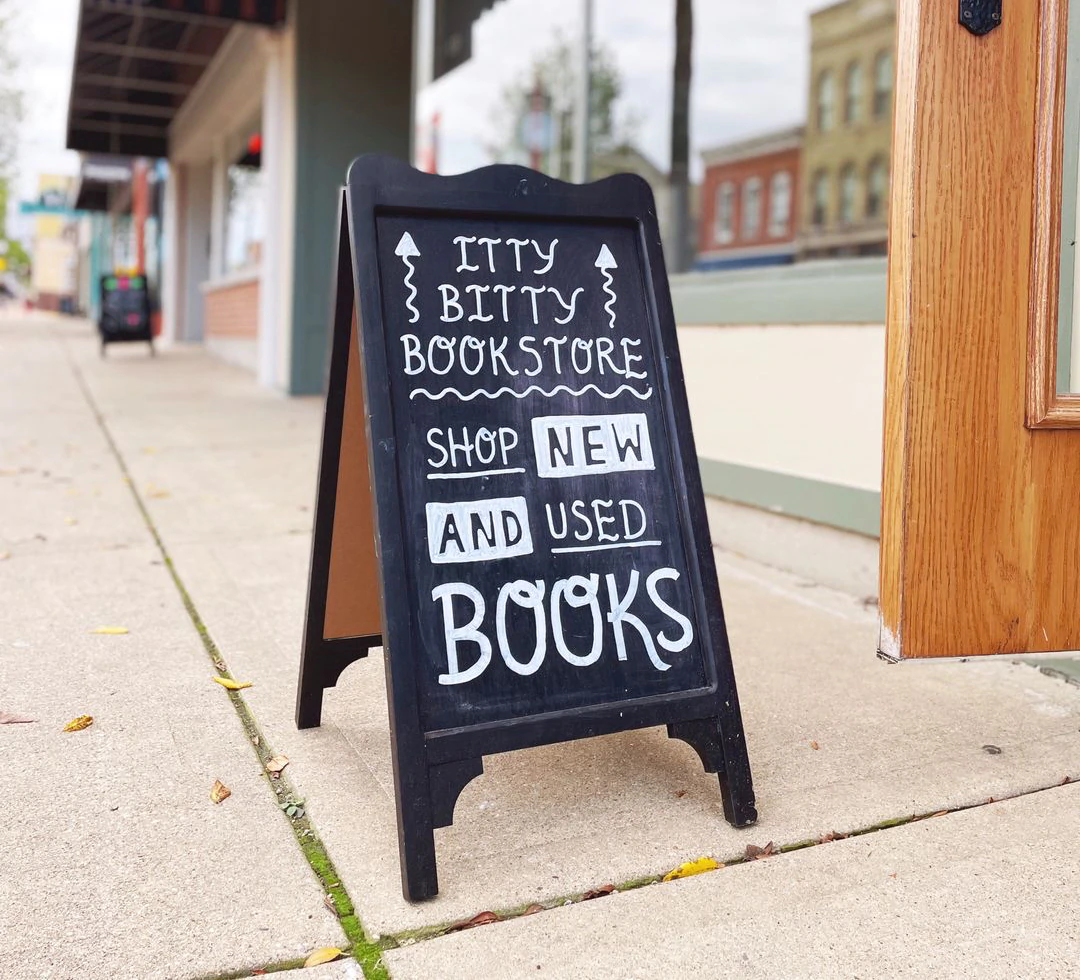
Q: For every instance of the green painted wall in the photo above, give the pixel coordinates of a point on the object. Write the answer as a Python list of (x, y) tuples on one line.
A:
[(353, 96), (850, 508), (826, 291)]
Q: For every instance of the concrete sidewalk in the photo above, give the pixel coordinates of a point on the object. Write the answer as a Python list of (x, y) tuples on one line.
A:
[(839, 742)]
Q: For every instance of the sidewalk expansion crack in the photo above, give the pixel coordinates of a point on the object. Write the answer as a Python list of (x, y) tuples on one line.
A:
[(366, 952), (411, 937)]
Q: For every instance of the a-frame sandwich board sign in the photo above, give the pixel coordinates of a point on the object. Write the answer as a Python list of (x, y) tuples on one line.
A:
[(545, 565)]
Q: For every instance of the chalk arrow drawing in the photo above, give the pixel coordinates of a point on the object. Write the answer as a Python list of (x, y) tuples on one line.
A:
[(407, 249), (605, 261)]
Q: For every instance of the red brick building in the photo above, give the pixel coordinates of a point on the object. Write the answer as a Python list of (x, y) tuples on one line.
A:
[(749, 201)]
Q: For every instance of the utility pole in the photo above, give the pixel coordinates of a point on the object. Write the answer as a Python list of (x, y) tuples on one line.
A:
[(583, 103)]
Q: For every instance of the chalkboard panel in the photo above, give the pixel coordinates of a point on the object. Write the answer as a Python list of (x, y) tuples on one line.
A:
[(534, 468), (545, 560)]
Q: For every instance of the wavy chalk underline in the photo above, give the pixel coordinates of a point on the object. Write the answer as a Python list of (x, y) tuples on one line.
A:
[(435, 396)]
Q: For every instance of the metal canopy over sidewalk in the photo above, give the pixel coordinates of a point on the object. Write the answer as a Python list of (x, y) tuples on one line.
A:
[(137, 60)]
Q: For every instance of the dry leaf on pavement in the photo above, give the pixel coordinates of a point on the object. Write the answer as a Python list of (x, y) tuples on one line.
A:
[(230, 685), (480, 919), (324, 954), (78, 724), (755, 853), (276, 764), (815, 746), (598, 892), (9, 719), (110, 630), (71, 521), (533, 909), (5, 555), (219, 791), (693, 868)]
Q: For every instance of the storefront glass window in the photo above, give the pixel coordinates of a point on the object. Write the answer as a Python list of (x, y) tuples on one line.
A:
[(499, 81), (779, 203), (853, 93), (849, 190), (725, 213), (244, 227)]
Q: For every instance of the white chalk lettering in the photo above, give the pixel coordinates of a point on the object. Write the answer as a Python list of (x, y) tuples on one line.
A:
[(527, 595), (614, 615), (577, 591), (458, 634), (447, 302), (575, 445), (463, 241), (478, 530)]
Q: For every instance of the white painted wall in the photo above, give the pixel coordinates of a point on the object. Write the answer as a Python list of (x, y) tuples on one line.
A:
[(801, 400)]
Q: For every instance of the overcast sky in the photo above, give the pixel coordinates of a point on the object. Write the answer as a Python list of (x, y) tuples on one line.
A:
[(750, 64), (44, 32)]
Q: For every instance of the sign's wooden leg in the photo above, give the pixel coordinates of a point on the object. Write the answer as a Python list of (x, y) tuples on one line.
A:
[(321, 669), (728, 759)]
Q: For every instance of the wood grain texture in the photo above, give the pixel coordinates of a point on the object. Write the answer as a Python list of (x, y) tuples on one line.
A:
[(352, 595), (981, 516)]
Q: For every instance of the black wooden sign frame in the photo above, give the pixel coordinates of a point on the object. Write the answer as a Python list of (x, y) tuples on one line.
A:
[(431, 767)]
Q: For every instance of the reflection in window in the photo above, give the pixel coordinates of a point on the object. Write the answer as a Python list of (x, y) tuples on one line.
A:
[(883, 77), (849, 189), (853, 93), (821, 199), (826, 99), (244, 221), (725, 213), (779, 203), (751, 216), (877, 187)]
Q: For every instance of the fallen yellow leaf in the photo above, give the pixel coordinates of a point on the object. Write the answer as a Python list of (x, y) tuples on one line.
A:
[(697, 867), (71, 521), (219, 791), (230, 685), (78, 724), (110, 630), (325, 954)]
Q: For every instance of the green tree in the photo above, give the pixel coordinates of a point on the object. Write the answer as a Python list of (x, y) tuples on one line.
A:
[(11, 116), (556, 72), (11, 98)]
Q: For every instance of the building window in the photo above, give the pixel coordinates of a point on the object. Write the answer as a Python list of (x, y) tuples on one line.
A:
[(820, 213), (877, 187), (751, 205), (826, 101), (853, 93), (883, 79), (724, 231), (779, 204), (849, 189)]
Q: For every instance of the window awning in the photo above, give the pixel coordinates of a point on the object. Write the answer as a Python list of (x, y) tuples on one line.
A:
[(453, 32), (102, 182), (137, 60)]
